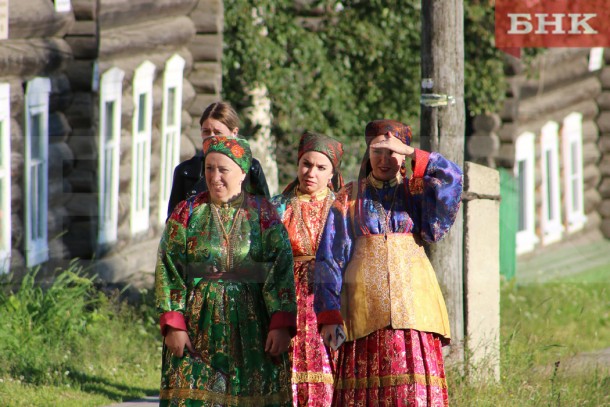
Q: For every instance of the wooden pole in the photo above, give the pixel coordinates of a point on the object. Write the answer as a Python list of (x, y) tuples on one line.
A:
[(442, 130)]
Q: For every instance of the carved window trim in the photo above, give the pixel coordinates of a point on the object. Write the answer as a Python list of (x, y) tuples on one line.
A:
[(109, 150), (36, 170), (571, 152), (171, 125), (5, 177), (141, 147), (551, 218), (524, 173)]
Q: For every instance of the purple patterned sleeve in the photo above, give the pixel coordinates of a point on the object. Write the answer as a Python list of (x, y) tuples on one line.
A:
[(435, 198), (331, 259)]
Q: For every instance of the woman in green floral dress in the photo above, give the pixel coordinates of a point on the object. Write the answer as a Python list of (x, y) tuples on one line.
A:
[(225, 292)]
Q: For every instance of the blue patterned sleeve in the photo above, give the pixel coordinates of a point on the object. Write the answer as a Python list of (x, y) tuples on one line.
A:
[(435, 197), (332, 257)]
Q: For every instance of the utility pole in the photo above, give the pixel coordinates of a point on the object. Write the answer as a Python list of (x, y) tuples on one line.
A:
[(442, 130)]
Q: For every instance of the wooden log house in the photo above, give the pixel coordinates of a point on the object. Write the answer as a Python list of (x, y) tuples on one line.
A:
[(551, 142), (99, 100)]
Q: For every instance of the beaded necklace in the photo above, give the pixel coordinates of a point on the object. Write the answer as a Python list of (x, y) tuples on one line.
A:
[(221, 217), (379, 207)]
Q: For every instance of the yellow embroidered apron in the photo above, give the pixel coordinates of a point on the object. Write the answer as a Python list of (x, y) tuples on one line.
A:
[(391, 283)]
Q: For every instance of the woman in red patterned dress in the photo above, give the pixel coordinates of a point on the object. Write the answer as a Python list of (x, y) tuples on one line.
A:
[(303, 207)]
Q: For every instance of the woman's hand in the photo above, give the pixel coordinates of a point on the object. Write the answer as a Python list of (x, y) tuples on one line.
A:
[(278, 341), (176, 340), (329, 334), (393, 144)]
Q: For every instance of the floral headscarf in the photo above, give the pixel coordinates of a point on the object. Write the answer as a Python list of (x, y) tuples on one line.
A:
[(331, 148), (378, 127), (236, 149), (328, 146), (399, 130)]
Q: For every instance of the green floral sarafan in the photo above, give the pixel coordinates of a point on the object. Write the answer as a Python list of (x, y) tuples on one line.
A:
[(236, 149), (228, 307)]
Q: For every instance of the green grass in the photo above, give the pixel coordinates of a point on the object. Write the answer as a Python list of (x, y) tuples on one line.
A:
[(599, 274), (71, 345), (542, 324)]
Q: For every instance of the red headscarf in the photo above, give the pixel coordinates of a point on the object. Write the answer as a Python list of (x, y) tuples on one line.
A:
[(380, 127)]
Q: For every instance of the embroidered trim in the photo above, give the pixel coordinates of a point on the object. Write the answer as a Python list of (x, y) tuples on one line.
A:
[(416, 186), (312, 377), (296, 209), (391, 380), (225, 399), (311, 197), (420, 163), (384, 184)]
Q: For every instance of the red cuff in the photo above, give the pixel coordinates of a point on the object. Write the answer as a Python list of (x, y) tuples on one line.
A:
[(330, 318), (420, 163), (172, 318), (284, 319)]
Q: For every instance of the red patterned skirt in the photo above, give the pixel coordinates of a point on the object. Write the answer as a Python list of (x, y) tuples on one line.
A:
[(312, 379), (391, 368)]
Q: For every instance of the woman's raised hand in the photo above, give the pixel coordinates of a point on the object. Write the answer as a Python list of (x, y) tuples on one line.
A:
[(393, 144)]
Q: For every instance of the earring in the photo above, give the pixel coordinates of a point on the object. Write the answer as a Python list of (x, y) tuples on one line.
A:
[(403, 169)]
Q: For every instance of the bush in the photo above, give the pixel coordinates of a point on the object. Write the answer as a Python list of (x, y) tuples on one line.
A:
[(361, 64), (45, 333)]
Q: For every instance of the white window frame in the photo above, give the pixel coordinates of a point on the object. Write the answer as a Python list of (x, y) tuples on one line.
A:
[(550, 219), (109, 153), (571, 153), (36, 103), (170, 130), (596, 58), (4, 9), (63, 6), (141, 146), (5, 177), (525, 152)]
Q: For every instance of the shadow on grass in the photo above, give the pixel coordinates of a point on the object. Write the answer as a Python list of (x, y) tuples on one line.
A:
[(107, 388)]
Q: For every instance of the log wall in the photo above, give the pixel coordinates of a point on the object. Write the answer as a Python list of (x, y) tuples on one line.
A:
[(556, 84), (120, 34), (36, 47), (206, 75), (73, 49), (603, 144)]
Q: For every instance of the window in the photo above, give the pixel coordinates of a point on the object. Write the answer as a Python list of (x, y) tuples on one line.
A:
[(170, 129), (524, 173), (5, 178), (551, 196), (3, 19), (62, 6), (596, 58), (36, 170), (571, 153), (141, 133), (109, 141)]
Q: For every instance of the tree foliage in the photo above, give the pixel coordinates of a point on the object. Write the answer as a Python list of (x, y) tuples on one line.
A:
[(362, 62)]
